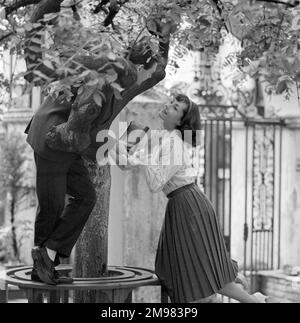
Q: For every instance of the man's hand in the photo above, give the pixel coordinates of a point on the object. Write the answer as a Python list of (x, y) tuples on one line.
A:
[(169, 28), (123, 147), (162, 26)]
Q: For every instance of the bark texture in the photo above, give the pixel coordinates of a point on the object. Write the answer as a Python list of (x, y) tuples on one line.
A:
[(91, 248)]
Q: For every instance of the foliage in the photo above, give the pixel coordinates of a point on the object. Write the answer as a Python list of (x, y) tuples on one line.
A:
[(268, 30), (69, 38), (6, 252), (12, 161), (13, 178), (4, 91), (270, 42)]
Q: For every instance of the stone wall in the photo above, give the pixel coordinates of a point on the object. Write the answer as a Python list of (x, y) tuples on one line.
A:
[(281, 288), (290, 219)]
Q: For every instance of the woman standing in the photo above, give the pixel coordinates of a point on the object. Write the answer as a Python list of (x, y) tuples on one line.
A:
[(191, 260)]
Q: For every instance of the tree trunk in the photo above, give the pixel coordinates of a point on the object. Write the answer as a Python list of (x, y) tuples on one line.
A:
[(92, 246), (13, 227)]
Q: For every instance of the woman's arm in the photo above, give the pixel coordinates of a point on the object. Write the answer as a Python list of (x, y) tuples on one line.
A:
[(166, 165), (159, 168)]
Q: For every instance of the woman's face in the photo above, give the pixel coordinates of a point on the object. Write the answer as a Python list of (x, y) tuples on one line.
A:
[(172, 114)]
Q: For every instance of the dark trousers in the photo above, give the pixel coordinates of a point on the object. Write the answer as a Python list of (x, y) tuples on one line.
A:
[(59, 221)]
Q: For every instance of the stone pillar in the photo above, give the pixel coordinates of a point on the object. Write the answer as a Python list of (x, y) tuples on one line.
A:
[(238, 192), (116, 209), (290, 209)]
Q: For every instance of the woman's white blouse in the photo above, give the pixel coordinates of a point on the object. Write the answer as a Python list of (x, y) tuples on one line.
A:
[(168, 166)]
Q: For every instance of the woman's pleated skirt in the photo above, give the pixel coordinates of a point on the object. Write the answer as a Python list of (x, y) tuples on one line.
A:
[(191, 260)]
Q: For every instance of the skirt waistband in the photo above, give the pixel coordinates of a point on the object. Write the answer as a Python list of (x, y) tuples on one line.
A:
[(180, 189)]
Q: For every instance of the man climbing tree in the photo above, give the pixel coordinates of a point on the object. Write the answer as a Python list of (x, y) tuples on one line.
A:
[(59, 169), (65, 127)]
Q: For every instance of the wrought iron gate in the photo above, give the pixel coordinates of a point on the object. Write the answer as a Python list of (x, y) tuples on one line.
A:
[(263, 170), (216, 175), (217, 170), (262, 159)]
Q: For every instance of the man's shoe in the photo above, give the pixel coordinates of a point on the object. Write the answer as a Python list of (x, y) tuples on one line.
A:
[(56, 261), (61, 279), (44, 265), (34, 276)]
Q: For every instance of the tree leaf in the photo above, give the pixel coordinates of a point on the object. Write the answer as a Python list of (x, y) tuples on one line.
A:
[(111, 56), (37, 41), (86, 95), (41, 75), (92, 82), (2, 13), (50, 16), (119, 65), (117, 86), (111, 76), (48, 64), (117, 94), (84, 74), (204, 22), (281, 87), (97, 47), (36, 49), (28, 26), (101, 83), (80, 90), (97, 99)]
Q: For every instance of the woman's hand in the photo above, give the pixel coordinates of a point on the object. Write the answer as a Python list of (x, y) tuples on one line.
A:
[(122, 148), (140, 158)]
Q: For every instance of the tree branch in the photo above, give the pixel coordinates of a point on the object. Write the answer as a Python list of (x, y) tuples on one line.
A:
[(32, 57), (45, 7), (19, 4), (100, 6), (51, 6), (218, 5), (75, 13), (114, 8), (158, 75), (5, 36), (112, 11), (294, 3)]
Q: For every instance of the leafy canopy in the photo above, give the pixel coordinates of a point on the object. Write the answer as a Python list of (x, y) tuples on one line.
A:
[(268, 31)]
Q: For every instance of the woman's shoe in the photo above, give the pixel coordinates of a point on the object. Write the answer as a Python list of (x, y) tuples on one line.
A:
[(261, 298)]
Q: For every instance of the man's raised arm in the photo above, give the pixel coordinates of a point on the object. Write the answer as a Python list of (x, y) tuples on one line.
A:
[(156, 76)]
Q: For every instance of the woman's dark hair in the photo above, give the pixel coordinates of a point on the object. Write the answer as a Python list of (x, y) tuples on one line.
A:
[(190, 120)]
